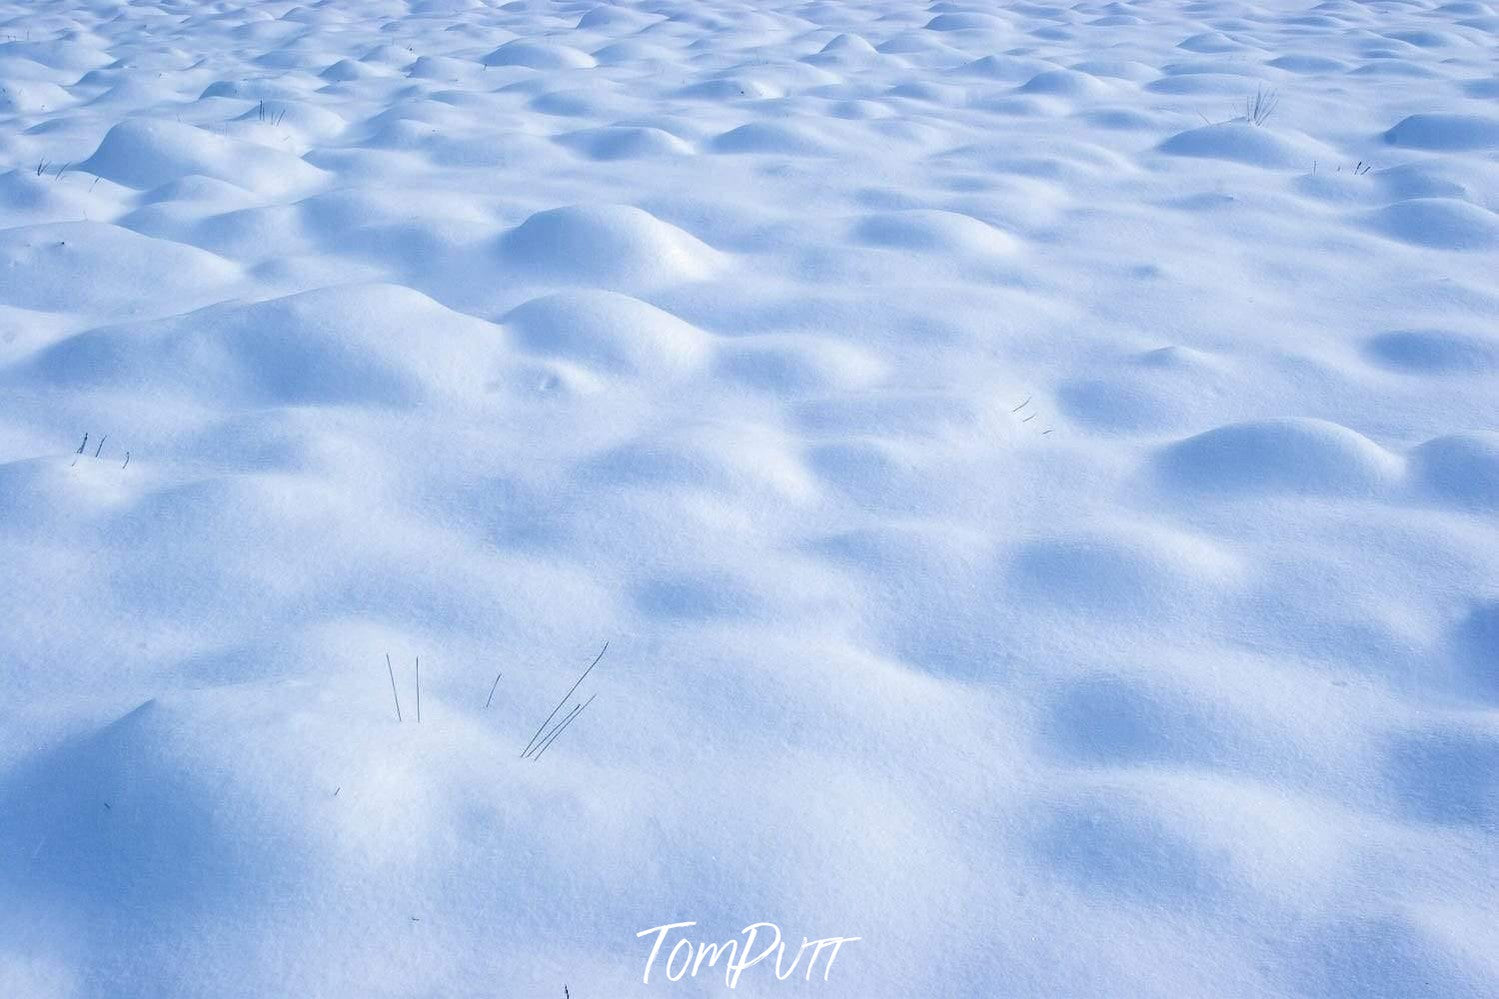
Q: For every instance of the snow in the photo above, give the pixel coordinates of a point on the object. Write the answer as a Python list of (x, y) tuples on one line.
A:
[(1043, 522)]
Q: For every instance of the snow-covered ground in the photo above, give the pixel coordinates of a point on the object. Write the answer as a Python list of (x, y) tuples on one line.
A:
[(1044, 523)]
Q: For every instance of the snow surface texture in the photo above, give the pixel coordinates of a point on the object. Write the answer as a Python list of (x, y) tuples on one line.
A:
[(1044, 522)]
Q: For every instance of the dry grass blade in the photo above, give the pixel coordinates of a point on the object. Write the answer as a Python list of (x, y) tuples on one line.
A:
[(1259, 108), (527, 751), (560, 728), (393, 693)]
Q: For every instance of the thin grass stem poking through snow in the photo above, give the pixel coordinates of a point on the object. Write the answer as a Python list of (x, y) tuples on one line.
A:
[(1259, 108), (542, 727), (418, 690), (552, 732), (393, 693), (559, 729), (492, 688)]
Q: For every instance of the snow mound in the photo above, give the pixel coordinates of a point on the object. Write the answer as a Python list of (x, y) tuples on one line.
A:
[(967, 21), (612, 17), (1460, 468), (539, 55), (1241, 142), (45, 492), (1426, 179), (348, 70), (1294, 455), (610, 332), (136, 819), (729, 89), (625, 142), (1007, 68), (376, 345), (147, 154), (1210, 42), (27, 198), (1445, 132), (1065, 83), (26, 97), (441, 68), (773, 137), (607, 244), (71, 55), (848, 44), (933, 232), (1438, 223), (95, 268)]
